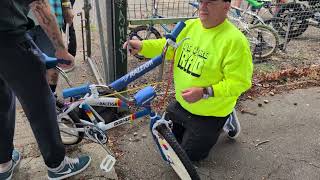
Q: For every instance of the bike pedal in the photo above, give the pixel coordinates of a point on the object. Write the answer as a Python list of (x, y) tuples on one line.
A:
[(107, 163)]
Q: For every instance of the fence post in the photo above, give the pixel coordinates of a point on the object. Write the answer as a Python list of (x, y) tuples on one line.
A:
[(120, 34), (109, 66), (87, 8), (116, 14)]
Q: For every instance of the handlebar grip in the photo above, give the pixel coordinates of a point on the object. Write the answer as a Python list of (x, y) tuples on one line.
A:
[(76, 91), (145, 95), (176, 31), (52, 62)]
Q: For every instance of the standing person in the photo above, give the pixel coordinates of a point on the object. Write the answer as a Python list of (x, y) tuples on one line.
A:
[(72, 46), (212, 68), (63, 14), (23, 75)]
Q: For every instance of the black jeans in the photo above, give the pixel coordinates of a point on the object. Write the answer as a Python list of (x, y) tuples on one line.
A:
[(23, 74), (196, 134), (72, 46)]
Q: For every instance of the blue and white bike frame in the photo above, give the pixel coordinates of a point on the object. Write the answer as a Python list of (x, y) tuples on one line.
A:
[(143, 98)]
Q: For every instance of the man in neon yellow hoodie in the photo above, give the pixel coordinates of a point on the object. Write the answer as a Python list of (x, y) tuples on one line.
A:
[(212, 68)]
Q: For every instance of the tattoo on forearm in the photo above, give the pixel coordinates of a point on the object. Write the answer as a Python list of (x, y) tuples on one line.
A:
[(48, 22)]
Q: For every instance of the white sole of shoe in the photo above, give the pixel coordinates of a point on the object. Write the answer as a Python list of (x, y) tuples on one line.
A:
[(14, 167), (238, 124)]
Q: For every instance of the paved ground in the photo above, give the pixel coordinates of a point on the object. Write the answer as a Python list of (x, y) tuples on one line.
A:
[(291, 149)]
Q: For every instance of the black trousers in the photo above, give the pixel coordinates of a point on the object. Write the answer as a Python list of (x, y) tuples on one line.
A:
[(72, 46), (23, 75), (196, 134)]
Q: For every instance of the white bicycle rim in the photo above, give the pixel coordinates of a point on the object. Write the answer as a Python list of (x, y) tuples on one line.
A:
[(173, 159)]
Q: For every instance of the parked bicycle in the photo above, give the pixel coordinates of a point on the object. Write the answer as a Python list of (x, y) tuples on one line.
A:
[(149, 31), (294, 18), (263, 39), (73, 129)]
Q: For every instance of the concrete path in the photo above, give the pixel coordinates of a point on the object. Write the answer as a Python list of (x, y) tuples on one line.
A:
[(281, 142)]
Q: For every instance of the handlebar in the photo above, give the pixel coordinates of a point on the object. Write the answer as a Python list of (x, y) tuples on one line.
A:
[(176, 31), (76, 91), (52, 62)]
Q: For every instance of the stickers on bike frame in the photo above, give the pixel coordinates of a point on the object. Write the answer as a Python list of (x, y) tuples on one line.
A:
[(106, 102), (163, 143), (122, 104), (88, 112)]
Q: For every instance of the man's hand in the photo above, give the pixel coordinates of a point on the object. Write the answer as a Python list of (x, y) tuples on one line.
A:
[(193, 94), (68, 15), (63, 54), (134, 46)]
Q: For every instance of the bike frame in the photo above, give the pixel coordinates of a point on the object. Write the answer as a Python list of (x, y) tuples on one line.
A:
[(94, 99), (142, 98)]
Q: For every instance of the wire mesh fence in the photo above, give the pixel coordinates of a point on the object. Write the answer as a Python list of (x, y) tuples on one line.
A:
[(98, 41), (293, 19), (142, 9), (296, 23), (290, 19)]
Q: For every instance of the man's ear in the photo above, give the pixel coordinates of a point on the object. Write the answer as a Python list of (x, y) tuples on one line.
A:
[(226, 6)]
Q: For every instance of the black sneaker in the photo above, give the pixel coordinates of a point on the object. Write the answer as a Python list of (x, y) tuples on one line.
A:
[(70, 167), (232, 126)]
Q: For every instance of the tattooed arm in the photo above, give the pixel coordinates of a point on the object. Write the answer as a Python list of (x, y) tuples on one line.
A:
[(48, 22)]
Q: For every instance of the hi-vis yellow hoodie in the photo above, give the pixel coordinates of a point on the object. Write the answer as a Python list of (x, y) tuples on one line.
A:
[(219, 57)]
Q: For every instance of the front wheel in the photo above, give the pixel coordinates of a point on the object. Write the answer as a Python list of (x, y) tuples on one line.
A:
[(295, 13), (144, 33), (175, 155), (263, 40)]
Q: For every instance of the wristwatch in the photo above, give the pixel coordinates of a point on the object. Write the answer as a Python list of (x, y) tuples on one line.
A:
[(205, 93)]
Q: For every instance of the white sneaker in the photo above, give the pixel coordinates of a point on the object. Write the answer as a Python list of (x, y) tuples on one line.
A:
[(232, 126)]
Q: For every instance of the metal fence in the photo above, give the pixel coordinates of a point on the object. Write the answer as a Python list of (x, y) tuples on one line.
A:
[(292, 19), (143, 9), (297, 23), (98, 39)]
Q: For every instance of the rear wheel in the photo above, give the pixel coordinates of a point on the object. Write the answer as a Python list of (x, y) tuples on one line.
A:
[(176, 156), (67, 123), (296, 14), (263, 40), (144, 33)]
